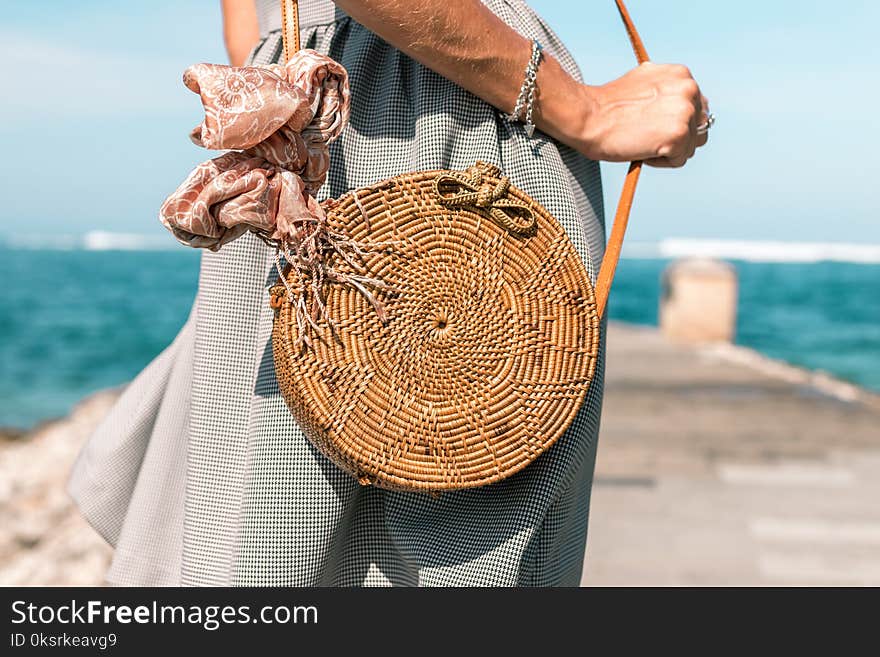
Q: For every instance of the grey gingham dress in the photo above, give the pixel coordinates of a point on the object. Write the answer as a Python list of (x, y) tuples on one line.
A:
[(200, 475)]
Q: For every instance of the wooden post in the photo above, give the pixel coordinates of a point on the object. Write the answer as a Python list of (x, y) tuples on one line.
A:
[(699, 301)]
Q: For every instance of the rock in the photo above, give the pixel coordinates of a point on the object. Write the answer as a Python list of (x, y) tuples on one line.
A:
[(45, 541)]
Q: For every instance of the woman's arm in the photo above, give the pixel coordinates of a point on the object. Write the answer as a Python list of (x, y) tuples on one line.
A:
[(650, 114), (240, 29)]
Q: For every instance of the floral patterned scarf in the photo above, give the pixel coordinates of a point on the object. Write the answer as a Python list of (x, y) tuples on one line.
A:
[(278, 121)]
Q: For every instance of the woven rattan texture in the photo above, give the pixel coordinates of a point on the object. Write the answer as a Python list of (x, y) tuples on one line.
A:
[(489, 350)]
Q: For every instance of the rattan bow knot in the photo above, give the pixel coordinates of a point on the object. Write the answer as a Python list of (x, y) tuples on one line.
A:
[(468, 189)]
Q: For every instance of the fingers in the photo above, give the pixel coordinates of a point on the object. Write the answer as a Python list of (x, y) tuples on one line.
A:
[(693, 93), (682, 148), (703, 137), (704, 117), (688, 109), (652, 114), (681, 139), (692, 136), (666, 163)]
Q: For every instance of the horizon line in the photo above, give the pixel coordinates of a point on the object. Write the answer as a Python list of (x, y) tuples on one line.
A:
[(663, 249)]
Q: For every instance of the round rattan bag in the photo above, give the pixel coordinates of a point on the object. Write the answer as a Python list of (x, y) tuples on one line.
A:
[(489, 345)]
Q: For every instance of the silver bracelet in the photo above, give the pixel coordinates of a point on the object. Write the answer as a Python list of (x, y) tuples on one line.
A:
[(526, 99)]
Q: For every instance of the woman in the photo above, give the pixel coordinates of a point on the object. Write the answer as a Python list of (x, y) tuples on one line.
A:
[(200, 476)]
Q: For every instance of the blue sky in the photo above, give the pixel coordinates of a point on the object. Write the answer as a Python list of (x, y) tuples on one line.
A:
[(94, 118)]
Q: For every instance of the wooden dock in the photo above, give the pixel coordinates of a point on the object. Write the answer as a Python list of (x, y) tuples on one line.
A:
[(716, 466)]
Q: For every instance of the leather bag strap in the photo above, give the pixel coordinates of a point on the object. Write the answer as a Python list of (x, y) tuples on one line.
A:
[(290, 37), (289, 27), (624, 205)]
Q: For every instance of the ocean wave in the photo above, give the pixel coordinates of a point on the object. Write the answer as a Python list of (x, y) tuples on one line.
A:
[(98, 240), (754, 251), (750, 251), (95, 240)]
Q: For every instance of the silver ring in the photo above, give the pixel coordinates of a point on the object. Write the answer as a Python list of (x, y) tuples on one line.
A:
[(703, 128)]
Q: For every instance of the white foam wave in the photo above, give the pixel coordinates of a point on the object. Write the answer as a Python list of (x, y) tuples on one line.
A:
[(99, 240), (96, 240), (755, 251), (752, 251)]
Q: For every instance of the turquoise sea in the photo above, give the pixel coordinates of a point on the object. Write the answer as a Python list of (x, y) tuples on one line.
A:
[(76, 321)]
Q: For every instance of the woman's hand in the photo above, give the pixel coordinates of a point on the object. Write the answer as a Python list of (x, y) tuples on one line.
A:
[(649, 114)]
